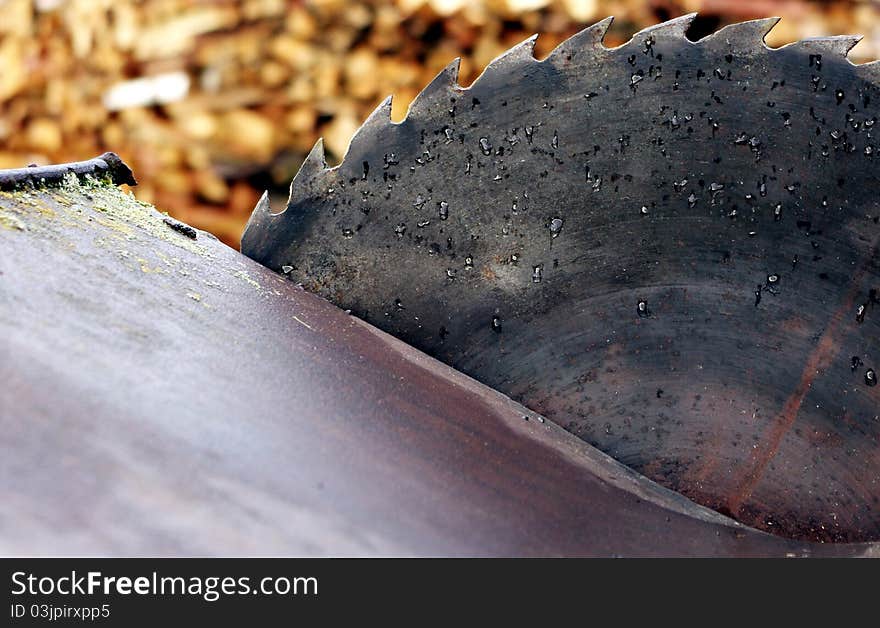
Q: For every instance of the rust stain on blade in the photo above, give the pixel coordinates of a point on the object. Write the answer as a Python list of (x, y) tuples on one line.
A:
[(824, 353)]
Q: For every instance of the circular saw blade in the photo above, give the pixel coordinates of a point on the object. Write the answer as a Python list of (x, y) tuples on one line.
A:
[(669, 248)]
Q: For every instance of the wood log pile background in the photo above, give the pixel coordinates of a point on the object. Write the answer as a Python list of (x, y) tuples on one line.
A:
[(212, 101)]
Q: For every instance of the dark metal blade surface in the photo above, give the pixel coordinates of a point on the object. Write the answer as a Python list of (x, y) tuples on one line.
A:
[(669, 248)]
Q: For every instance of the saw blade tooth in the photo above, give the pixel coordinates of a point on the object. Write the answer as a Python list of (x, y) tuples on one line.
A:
[(262, 210), (314, 164), (258, 227), (523, 51), (380, 116), (676, 28), (749, 33), (366, 137), (449, 74), (258, 235), (839, 44), (438, 89), (588, 40), (521, 54)]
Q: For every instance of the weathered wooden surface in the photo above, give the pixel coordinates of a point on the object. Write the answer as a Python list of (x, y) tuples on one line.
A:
[(107, 166), (164, 395)]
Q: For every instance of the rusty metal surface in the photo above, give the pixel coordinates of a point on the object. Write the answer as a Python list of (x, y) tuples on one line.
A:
[(166, 395), (668, 248)]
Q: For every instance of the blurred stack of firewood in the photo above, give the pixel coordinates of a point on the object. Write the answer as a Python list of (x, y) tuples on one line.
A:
[(211, 101)]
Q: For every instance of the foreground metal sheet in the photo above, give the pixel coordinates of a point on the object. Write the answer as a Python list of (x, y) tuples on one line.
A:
[(165, 395), (668, 248)]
